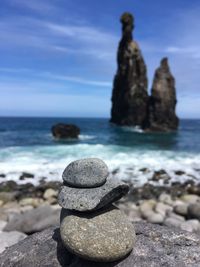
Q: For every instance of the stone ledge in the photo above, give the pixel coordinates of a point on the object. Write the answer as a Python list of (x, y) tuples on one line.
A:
[(155, 246)]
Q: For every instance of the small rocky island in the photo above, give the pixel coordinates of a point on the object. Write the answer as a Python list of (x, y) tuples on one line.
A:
[(65, 131), (131, 104)]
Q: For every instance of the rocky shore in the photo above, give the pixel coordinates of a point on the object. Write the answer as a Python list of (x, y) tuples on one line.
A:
[(26, 209)]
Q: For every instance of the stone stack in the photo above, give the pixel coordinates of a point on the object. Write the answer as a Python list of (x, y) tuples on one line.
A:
[(90, 226)]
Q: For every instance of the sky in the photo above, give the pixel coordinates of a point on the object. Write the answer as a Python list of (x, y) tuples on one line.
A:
[(58, 57)]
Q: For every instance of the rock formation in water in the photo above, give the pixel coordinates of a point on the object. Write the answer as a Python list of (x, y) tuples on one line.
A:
[(65, 131), (130, 97), (162, 115), (131, 105)]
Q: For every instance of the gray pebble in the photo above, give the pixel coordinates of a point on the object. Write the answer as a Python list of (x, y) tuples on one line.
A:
[(103, 236), (172, 222), (171, 214), (155, 218), (181, 209), (194, 211), (90, 172), (190, 226), (87, 199)]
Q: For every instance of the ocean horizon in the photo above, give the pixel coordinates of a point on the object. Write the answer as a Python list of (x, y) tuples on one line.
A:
[(27, 145)]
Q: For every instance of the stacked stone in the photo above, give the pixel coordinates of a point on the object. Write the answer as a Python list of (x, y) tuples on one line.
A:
[(90, 226)]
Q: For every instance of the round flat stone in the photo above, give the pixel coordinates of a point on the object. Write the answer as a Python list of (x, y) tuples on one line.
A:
[(87, 199), (104, 236), (91, 172)]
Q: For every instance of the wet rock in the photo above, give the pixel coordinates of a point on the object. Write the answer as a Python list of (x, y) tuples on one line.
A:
[(7, 196), (162, 116), (172, 222), (175, 216), (50, 193), (3, 214), (181, 209), (190, 199), (178, 202), (115, 171), (34, 220), (26, 175), (90, 172), (162, 208), (129, 96), (194, 211), (155, 246), (194, 189), (65, 131), (26, 208), (190, 226), (134, 215), (131, 210), (104, 236), (12, 206), (146, 208), (144, 170), (155, 218), (166, 199), (2, 224), (147, 191), (179, 172), (88, 199), (9, 239), (34, 202), (160, 175)]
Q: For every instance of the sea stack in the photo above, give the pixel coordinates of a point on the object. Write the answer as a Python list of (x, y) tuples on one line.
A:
[(90, 226), (162, 115), (131, 104), (129, 96)]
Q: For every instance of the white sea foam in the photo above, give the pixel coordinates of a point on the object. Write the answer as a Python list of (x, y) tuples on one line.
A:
[(135, 129), (86, 137), (49, 161)]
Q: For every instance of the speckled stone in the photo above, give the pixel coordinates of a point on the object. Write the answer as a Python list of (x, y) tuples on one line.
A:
[(91, 172), (104, 236), (88, 199)]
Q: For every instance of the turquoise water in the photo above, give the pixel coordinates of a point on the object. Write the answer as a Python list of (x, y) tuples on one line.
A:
[(26, 144)]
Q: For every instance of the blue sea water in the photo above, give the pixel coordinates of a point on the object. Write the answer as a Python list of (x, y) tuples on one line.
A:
[(26, 145)]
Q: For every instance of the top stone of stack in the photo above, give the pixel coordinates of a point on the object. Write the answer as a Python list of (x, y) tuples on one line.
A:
[(86, 173), (86, 187)]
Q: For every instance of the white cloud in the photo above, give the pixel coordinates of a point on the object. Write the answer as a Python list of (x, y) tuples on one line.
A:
[(66, 38), (53, 76), (82, 33), (40, 6), (190, 51)]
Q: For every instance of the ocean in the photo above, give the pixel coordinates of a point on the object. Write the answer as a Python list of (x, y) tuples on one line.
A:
[(27, 145)]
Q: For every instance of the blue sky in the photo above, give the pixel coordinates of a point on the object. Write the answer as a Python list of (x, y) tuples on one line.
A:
[(58, 57)]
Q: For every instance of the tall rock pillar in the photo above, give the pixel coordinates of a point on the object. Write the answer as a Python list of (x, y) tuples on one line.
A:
[(129, 96), (162, 115)]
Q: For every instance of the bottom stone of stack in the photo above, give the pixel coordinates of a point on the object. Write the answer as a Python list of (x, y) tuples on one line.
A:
[(102, 236)]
